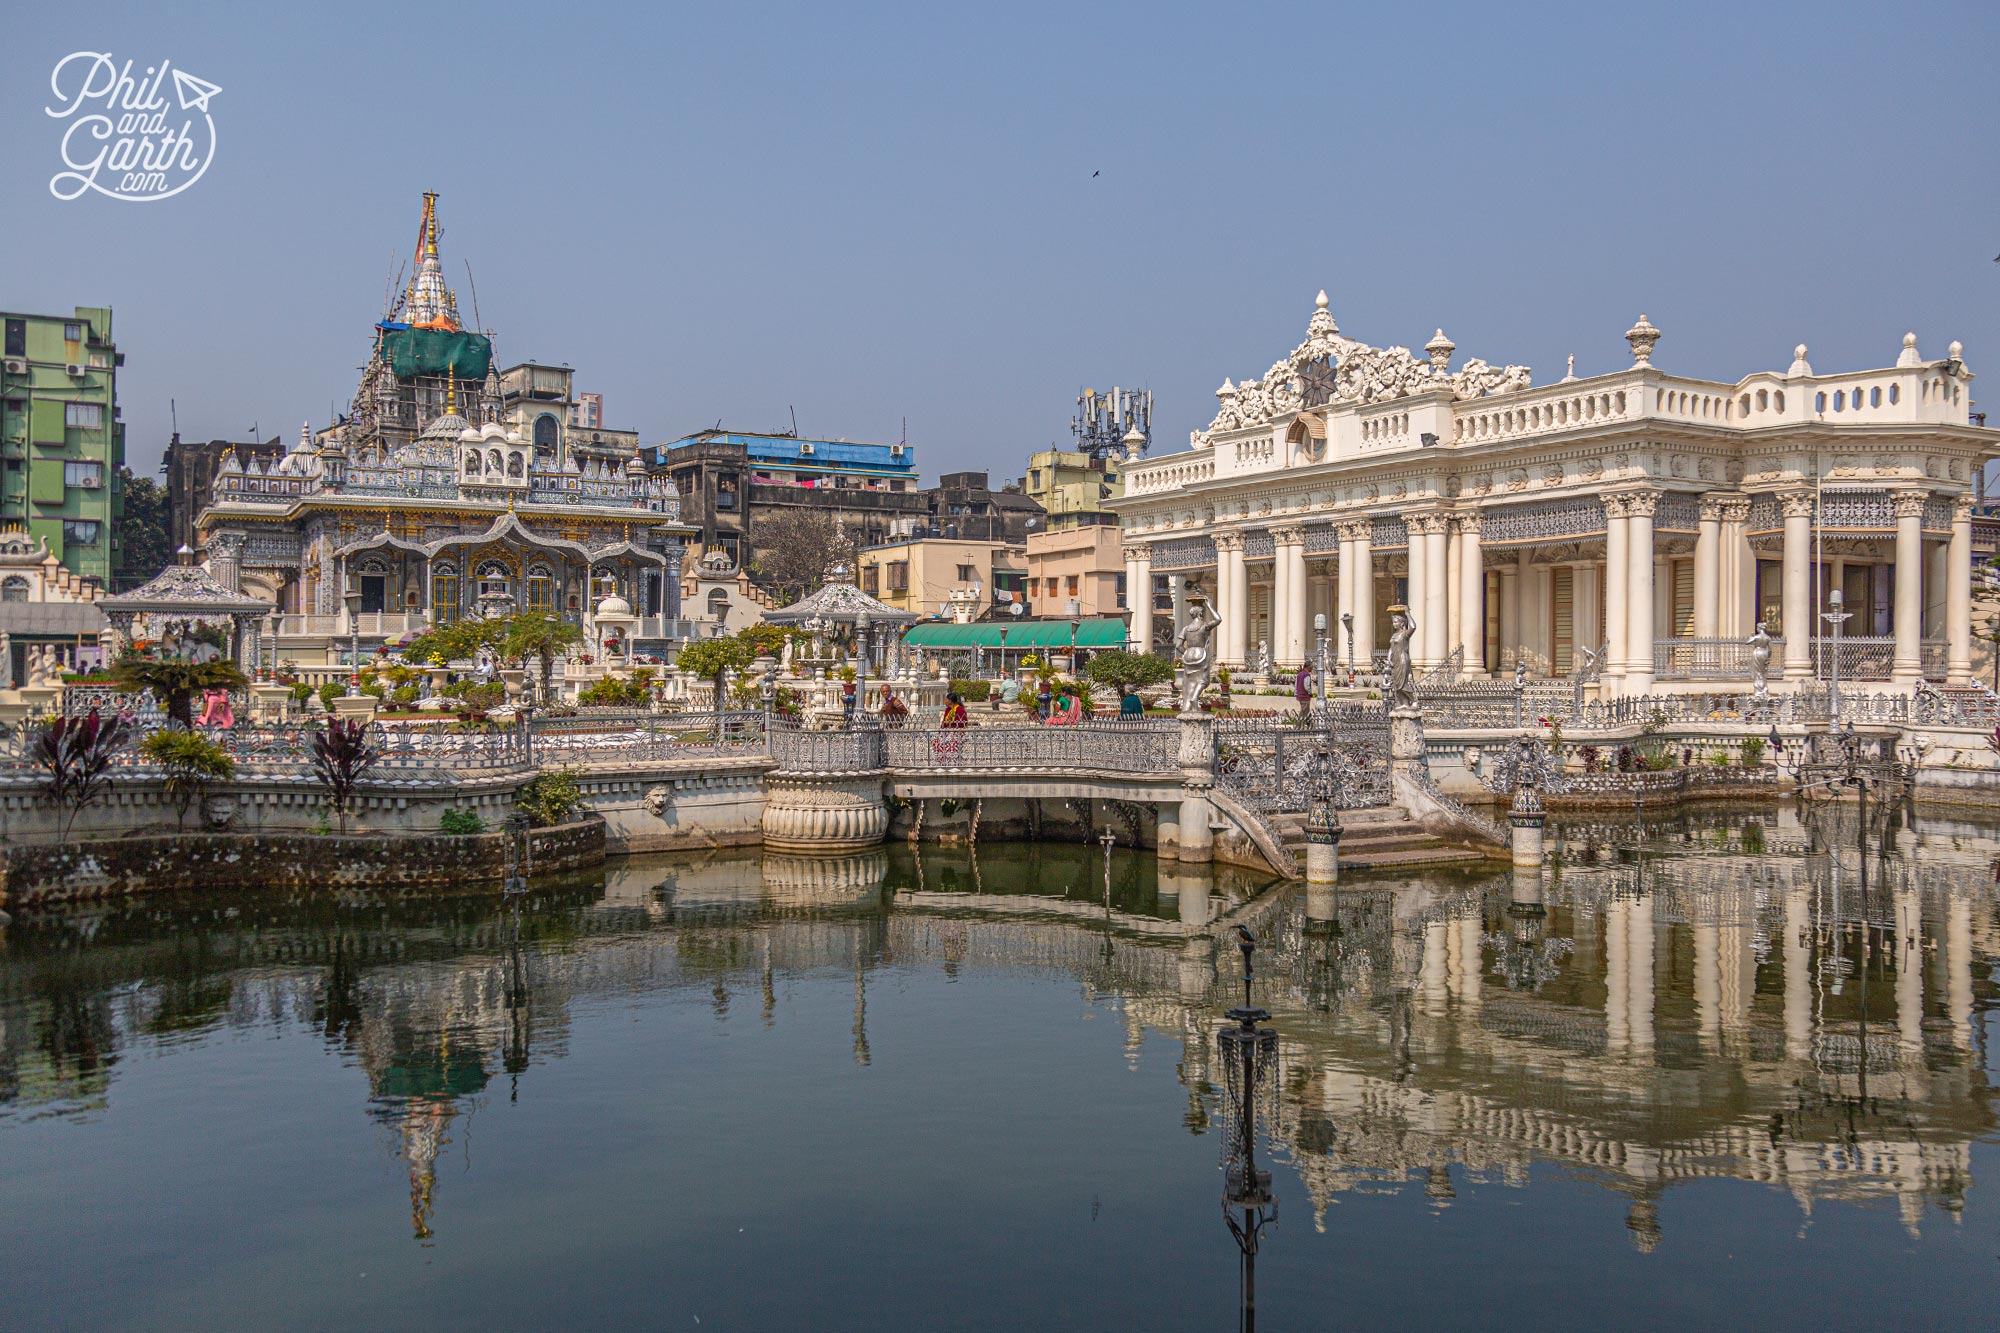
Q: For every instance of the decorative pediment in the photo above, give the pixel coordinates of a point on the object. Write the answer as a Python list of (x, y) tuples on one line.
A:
[(1329, 369)]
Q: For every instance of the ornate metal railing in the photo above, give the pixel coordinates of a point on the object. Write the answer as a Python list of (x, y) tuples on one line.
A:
[(602, 736), (799, 751), (1137, 747), (1271, 765), (285, 751), (1689, 658)]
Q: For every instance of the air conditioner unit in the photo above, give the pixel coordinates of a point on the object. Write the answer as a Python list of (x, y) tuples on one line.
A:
[(90, 483), (76, 370), (805, 448), (16, 367)]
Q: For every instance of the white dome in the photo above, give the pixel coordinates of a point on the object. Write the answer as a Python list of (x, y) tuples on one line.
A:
[(614, 605)]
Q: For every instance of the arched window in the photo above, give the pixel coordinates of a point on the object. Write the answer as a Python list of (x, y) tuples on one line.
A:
[(541, 591), (444, 594), (547, 435), (493, 466), (513, 464), (15, 589), (718, 603), (472, 463)]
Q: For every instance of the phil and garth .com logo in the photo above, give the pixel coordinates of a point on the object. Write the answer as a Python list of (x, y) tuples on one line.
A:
[(125, 139)]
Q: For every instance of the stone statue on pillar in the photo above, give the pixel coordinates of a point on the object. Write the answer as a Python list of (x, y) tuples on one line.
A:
[(1760, 661), (1399, 686), (1196, 644)]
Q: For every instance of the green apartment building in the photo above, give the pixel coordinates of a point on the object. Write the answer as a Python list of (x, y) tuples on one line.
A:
[(61, 443)]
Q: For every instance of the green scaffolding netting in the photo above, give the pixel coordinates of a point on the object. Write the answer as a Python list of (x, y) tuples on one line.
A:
[(434, 351)]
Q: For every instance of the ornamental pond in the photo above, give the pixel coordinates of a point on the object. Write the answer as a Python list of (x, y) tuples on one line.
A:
[(1724, 1068)]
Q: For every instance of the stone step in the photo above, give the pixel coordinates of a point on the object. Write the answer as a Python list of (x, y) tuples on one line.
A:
[(1440, 854)]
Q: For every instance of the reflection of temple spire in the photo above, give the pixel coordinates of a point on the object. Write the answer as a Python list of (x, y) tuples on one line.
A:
[(426, 1132)]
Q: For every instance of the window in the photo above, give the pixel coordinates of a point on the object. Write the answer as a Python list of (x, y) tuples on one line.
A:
[(541, 592), (871, 579), (547, 434), (1034, 587), (965, 574), (718, 603), (17, 337), (85, 473), (899, 576), (72, 333), (444, 595), (15, 589), (85, 416), (1069, 585), (80, 531)]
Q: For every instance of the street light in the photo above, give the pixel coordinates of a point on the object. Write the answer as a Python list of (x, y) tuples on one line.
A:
[(1075, 624), (1837, 617), (353, 599), (1319, 658), (1347, 619)]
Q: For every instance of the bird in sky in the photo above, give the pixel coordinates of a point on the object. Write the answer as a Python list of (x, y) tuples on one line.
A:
[(1095, 174)]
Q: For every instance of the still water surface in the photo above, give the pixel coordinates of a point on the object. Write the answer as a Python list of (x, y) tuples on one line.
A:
[(1714, 1081)]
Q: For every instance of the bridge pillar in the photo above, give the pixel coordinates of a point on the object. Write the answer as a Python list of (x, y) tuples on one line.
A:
[(1197, 762), (824, 814)]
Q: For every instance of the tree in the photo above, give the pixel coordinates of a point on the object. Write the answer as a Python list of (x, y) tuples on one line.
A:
[(1122, 670), (541, 637), (74, 754), (796, 549), (711, 658), (459, 640), (145, 530), (192, 761), (175, 683), (341, 757)]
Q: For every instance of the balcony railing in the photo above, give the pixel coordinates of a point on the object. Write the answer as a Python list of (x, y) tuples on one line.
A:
[(1689, 658)]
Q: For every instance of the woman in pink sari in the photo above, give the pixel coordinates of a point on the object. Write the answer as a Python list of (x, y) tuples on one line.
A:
[(1068, 710)]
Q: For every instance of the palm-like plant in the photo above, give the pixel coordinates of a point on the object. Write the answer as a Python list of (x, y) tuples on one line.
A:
[(191, 761), (176, 684), (341, 757), (74, 754)]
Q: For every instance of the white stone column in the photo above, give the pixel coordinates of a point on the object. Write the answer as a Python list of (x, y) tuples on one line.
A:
[(1797, 952), (1364, 595), (1510, 615), (1615, 576), (1708, 570), (1177, 592), (1291, 651), (1639, 507), (1798, 506), (1739, 570), (1281, 599), (1454, 598), (1958, 595), (1233, 584), (1436, 590), (1139, 595), (1344, 590), (1908, 664), (1415, 594), (1471, 594)]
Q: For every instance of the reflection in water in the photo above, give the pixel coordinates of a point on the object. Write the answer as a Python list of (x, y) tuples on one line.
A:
[(1794, 1004)]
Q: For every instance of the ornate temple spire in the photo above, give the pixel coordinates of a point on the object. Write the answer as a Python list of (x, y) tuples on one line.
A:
[(428, 303)]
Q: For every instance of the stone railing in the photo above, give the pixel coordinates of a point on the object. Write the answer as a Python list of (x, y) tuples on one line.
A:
[(1105, 746), (615, 735)]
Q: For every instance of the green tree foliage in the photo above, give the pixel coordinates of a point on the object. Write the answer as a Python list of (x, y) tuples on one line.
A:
[(461, 823), (145, 531), (1120, 669), (192, 761), (552, 797), (176, 684), (543, 638), (710, 658)]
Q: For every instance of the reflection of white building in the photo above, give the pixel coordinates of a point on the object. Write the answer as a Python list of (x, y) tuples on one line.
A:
[(1662, 515)]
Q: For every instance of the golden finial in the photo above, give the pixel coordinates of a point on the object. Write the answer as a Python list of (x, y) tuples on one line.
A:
[(451, 387)]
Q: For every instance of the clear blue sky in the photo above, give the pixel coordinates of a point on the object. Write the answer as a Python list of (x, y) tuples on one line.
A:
[(872, 213)]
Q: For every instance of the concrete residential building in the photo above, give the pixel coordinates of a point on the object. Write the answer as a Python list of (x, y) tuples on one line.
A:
[(940, 576), (1069, 484), (1077, 570), (1661, 515), (61, 443), (728, 480)]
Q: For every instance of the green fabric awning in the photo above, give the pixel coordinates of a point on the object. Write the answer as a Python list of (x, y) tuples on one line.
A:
[(1020, 634)]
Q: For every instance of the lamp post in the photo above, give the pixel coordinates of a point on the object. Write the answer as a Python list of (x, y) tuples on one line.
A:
[(862, 624), (1075, 624), (353, 600), (1837, 617), (1249, 1057), (1347, 620), (1319, 662)]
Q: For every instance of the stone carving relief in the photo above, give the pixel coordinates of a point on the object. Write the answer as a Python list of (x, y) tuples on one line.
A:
[(1340, 370)]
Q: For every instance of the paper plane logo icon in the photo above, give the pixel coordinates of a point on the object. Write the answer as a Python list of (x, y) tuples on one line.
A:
[(194, 93)]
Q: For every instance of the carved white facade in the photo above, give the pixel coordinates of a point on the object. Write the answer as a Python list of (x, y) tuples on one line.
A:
[(1525, 523)]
